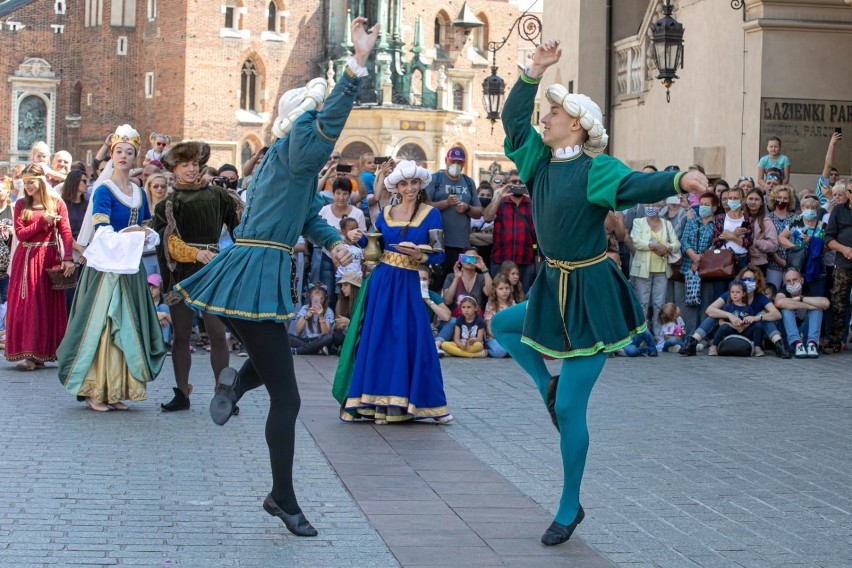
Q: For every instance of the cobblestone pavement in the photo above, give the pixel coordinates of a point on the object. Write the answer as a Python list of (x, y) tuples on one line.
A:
[(733, 463)]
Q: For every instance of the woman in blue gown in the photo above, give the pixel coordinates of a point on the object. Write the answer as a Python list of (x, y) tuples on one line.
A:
[(389, 370)]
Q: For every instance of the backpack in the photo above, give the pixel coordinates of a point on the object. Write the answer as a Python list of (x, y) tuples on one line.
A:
[(736, 346)]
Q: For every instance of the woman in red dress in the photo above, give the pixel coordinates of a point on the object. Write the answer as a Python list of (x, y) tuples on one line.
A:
[(36, 316)]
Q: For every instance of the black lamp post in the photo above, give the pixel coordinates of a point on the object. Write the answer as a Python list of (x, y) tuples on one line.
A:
[(668, 47), (494, 87)]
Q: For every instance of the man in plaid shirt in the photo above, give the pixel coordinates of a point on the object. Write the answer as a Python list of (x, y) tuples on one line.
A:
[(514, 232)]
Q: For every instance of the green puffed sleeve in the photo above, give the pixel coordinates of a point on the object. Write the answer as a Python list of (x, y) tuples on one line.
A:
[(615, 186), (523, 144)]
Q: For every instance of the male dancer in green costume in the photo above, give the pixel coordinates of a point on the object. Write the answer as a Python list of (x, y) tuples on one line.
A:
[(580, 307)]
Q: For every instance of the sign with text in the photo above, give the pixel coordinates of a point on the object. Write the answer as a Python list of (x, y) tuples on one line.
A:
[(805, 127)]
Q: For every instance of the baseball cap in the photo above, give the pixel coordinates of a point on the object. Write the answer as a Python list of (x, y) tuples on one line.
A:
[(672, 200), (155, 280), (456, 154)]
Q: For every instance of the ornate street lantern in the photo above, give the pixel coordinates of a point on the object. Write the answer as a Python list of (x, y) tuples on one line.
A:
[(668, 47), (494, 87)]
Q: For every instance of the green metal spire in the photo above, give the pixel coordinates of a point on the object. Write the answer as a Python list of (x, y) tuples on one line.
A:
[(347, 34), (418, 36)]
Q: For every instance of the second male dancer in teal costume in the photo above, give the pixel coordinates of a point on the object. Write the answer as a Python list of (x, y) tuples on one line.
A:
[(581, 307), (248, 285)]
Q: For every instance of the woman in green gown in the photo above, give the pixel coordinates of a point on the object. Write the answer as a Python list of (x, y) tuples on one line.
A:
[(580, 307)]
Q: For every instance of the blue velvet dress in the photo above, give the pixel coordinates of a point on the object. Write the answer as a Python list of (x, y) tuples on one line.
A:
[(389, 368)]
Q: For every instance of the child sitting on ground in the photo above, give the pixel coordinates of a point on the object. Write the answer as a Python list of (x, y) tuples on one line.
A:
[(672, 329), (313, 326), (740, 319), (500, 299), (469, 332)]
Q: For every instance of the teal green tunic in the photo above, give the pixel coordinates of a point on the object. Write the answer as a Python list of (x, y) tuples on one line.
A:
[(591, 309), (251, 280)]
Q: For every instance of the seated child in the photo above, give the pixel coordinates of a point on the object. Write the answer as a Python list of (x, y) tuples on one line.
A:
[(313, 324), (740, 319), (500, 299), (469, 332), (350, 284), (672, 329)]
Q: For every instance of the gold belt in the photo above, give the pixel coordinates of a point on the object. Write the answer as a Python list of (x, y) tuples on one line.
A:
[(264, 244), (29, 247), (399, 260), (565, 268)]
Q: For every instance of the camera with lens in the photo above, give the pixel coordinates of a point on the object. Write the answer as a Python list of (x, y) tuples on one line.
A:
[(221, 181)]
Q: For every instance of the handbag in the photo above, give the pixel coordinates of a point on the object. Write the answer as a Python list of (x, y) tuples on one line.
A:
[(675, 259), (796, 257), (717, 264), (736, 346), (56, 275)]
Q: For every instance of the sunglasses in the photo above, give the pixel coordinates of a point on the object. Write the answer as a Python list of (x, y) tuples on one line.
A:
[(161, 143), (498, 181), (158, 186), (745, 178)]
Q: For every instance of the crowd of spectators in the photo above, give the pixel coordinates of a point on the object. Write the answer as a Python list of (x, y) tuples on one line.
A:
[(787, 289)]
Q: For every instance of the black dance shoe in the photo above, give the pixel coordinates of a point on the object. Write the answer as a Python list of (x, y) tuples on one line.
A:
[(691, 348), (557, 533), (551, 399), (296, 524), (224, 402), (781, 350), (179, 402)]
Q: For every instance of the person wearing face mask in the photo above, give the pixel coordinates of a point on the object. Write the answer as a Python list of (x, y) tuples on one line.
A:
[(765, 236), (514, 232), (732, 230), (808, 230), (697, 238), (481, 230), (655, 240), (454, 195), (801, 313), (780, 216)]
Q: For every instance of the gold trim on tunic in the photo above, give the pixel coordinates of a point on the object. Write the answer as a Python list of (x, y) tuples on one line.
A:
[(364, 405), (565, 268), (100, 219), (418, 219), (229, 312), (399, 260), (263, 244)]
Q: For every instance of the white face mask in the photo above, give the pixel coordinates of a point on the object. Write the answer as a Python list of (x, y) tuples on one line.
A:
[(794, 288), (454, 170)]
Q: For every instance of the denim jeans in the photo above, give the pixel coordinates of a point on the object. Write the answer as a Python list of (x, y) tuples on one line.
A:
[(495, 349), (753, 331), (327, 277), (447, 331), (634, 349), (167, 330), (708, 326), (672, 341), (810, 325)]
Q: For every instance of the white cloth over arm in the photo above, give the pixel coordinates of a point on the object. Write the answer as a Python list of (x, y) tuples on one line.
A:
[(119, 253)]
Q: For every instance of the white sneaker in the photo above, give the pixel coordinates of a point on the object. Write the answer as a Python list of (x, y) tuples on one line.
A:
[(800, 352), (712, 351), (813, 350), (700, 347), (758, 352), (673, 349), (444, 419)]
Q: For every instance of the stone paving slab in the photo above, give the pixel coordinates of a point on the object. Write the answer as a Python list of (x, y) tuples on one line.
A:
[(424, 507)]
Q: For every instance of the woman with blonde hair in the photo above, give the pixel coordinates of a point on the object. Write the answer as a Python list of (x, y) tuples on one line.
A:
[(37, 316), (40, 155), (781, 216), (156, 189)]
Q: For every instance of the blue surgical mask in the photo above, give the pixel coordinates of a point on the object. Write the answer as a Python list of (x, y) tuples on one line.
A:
[(734, 204), (750, 284), (705, 211), (809, 214), (651, 211)]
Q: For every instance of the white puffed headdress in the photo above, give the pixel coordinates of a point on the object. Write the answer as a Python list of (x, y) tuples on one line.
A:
[(407, 169), (585, 109), (295, 102)]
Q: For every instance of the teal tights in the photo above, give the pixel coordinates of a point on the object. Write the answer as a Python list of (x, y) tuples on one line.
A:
[(576, 380)]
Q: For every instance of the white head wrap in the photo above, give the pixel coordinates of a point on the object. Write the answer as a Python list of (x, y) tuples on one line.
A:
[(585, 109), (407, 169), (295, 102)]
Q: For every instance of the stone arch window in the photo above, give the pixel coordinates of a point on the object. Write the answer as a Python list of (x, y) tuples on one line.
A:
[(458, 97), (32, 121), (276, 22), (412, 151), (272, 17), (480, 35), (34, 87), (233, 11), (249, 86), (442, 35), (76, 99), (354, 150)]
